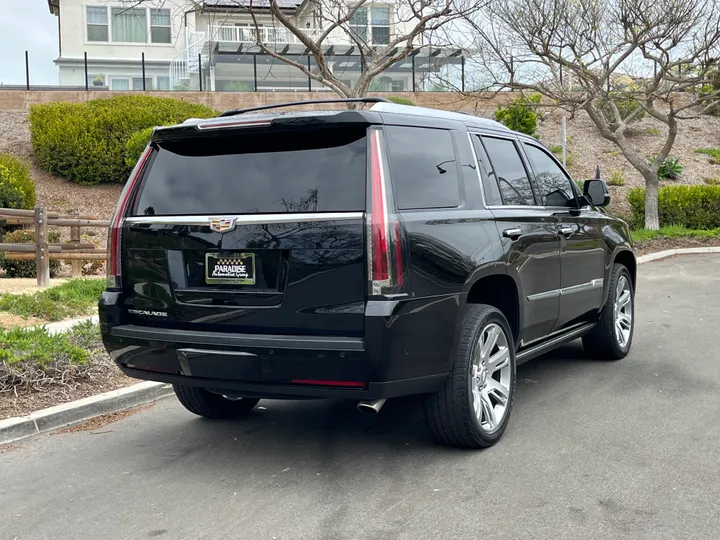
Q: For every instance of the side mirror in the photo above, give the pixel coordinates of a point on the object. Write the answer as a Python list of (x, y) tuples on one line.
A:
[(596, 192)]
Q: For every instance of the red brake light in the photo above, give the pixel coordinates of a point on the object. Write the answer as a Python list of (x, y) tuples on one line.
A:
[(385, 247), (378, 222), (115, 231)]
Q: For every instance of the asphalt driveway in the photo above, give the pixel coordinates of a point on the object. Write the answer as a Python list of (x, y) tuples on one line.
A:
[(594, 450)]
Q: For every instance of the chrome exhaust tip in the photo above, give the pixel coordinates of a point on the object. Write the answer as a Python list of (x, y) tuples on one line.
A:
[(373, 406)]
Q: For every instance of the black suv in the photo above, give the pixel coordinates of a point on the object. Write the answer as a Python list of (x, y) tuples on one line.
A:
[(359, 254)]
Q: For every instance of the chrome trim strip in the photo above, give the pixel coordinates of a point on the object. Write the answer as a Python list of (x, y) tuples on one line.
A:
[(544, 295), (189, 353), (594, 284), (247, 219)]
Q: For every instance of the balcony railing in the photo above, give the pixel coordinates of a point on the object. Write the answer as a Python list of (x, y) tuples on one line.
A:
[(249, 34)]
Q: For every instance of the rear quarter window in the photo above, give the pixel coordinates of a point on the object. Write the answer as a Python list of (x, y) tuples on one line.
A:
[(257, 172), (424, 167)]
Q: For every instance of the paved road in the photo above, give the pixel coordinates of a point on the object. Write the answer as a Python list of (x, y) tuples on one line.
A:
[(594, 450)]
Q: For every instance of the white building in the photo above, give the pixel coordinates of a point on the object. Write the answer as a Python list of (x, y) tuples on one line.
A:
[(186, 44)]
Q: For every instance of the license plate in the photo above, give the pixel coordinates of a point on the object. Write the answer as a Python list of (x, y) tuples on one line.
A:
[(233, 269)]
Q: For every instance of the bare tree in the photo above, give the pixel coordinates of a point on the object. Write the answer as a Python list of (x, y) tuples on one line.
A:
[(598, 56), (321, 27)]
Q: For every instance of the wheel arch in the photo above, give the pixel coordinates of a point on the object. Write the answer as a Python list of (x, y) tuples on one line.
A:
[(627, 258)]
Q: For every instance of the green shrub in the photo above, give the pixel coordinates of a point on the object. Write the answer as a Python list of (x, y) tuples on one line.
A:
[(714, 154), (401, 100), (626, 105), (557, 149), (670, 169), (617, 178), (136, 145), (520, 115), (694, 207), (26, 269), (17, 189), (85, 142)]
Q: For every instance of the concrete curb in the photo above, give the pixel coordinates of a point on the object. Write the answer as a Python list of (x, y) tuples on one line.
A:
[(670, 252), (75, 412)]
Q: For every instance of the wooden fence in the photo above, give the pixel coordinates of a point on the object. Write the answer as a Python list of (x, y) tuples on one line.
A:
[(43, 252)]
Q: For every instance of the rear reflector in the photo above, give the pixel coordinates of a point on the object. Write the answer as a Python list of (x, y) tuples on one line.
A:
[(310, 382)]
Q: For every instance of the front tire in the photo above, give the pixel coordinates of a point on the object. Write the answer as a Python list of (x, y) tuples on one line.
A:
[(611, 338), (204, 403), (473, 409)]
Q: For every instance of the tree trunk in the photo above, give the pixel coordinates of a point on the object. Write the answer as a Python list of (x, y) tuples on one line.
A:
[(652, 219)]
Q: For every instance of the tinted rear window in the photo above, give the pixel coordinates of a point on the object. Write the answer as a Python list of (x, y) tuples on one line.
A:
[(257, 173)]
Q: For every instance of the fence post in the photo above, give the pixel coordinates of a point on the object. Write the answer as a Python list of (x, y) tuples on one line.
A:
[(42, 255), (27, 70), (255, 71), (462, 73), (413, 74), (76, 265), (200, 73), (309, 78), (143, 71), (87, 85)]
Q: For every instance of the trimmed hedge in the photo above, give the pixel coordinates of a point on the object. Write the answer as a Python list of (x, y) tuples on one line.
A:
[(519, 115), (17, 189), (694, 207), (136, 146), (26, 269), (86, 142)]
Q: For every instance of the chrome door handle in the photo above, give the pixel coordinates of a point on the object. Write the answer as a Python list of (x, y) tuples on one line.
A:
[(514, 234), (565, 230)]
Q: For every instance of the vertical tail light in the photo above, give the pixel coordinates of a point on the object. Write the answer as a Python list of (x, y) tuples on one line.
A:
[(114, 241), (385, 246)]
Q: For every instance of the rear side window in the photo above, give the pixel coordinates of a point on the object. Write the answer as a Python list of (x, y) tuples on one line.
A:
[(424, 168), (509, 172), (257, 172)]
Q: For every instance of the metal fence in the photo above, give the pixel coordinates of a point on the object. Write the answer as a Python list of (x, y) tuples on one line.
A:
[(230, 71)]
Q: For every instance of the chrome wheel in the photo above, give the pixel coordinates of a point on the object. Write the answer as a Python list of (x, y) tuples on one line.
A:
[(491, 377), (623, 311)]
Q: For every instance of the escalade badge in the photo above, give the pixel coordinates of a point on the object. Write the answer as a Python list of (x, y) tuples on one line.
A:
[(222, 225)]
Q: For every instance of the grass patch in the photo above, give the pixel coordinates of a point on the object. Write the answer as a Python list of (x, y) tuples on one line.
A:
[(72, 299), (33, 359), (673, 231), (653, 131), (712, 181), (557, 149), (714, 154), (617, 178)]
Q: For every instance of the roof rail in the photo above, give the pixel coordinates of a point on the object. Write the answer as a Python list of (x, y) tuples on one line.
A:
[(233, 112)]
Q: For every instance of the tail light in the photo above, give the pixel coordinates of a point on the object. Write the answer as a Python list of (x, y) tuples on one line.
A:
[(385, 245), (115, 231)]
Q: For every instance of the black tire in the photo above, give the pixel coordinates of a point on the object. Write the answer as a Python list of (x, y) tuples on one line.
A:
[(450, 413), (204, 403), (602, 343)]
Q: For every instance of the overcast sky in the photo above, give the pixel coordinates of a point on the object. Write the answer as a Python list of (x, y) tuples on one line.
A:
[(27, 25)]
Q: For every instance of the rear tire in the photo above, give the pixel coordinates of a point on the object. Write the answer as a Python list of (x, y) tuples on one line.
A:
[(204, 403), (611, 338), (473, 409)]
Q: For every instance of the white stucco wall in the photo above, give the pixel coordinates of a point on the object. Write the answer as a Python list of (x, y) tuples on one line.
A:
[(74, 32)]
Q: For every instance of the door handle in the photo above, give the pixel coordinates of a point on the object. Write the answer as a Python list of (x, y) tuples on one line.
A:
[(565, 230), (513, 234)]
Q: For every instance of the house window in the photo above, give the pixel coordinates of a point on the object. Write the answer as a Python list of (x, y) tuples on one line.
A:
[(97, 23), (358, 25), (163, 83), (380, 25), (137, 83), (129, 25), (160, 25), (119, 84)]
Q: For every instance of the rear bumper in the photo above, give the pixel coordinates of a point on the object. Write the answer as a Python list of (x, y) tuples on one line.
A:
[(404, 351)]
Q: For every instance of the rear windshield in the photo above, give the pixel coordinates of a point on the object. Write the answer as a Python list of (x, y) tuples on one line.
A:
[(257, 173)]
